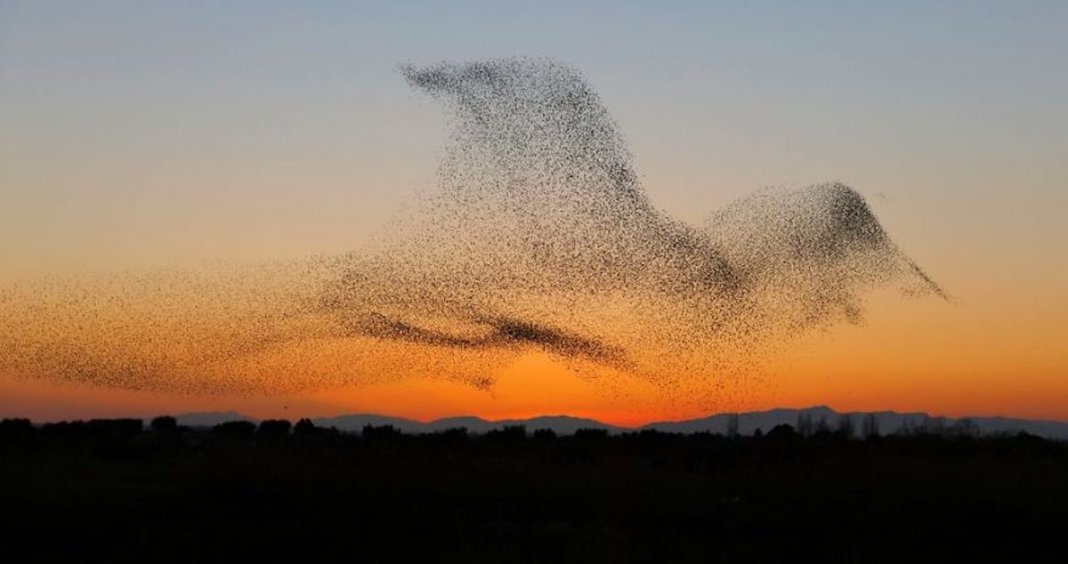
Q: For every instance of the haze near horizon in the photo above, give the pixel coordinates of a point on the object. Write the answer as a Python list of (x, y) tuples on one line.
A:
[(210, 151)]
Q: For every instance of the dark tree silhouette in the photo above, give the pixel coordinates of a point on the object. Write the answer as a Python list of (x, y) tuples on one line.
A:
[(381, 433), (116, 427), (274, 427), (235, 428), (16, 430), (965, 428), (846, 427), (449, 438), (591, 435), (606, 495), (164, 424), (822, 426), (67, 430), (304, 427), (511, 434), (544, 435), (870, 426), (732, 426), (783, 435)]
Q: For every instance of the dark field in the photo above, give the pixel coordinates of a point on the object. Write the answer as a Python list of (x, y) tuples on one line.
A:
[(112, 491)]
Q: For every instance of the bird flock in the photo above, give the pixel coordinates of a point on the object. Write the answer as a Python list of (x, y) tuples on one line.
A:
[(539, 237)]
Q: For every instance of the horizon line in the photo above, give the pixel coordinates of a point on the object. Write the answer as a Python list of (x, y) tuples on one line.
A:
[(426, 421)]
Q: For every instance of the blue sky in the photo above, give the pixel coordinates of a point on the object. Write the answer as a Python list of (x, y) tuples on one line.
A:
[(167, 131)]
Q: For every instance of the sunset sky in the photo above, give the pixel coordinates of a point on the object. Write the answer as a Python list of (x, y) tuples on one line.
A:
[(140, 135)]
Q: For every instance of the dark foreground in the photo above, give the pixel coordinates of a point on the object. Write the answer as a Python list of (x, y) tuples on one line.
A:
[(111, 491)]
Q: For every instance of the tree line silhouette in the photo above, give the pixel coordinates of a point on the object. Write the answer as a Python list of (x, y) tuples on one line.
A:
[(123, 489)]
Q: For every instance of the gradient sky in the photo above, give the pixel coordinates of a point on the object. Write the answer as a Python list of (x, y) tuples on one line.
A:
[(140, 134)]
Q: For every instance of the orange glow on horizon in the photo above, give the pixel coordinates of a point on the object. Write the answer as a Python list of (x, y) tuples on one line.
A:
[(909, 355)]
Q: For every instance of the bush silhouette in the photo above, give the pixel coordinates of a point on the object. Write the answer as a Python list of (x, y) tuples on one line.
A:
[(544, 435), (732, 425), (164, 424), (65, 430), (116, 427), (275, 427), (510, 434), (846, 427), (16, 430), (381, 433), (783, 434), (451, 437), (304, 427), (235, 428), (591, 435), (870, 427)]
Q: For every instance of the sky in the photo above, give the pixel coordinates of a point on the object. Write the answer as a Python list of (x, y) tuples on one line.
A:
[(166, 134)]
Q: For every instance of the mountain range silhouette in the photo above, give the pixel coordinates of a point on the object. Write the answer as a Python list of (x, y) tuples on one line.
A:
[(887, 421)]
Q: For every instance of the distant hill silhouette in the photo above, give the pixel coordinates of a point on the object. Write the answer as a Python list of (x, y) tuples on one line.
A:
[(210, 418), (357, 422), (886, 421), (560, 424)]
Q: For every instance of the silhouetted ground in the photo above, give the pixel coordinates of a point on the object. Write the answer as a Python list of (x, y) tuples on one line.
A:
[(108, 490)]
